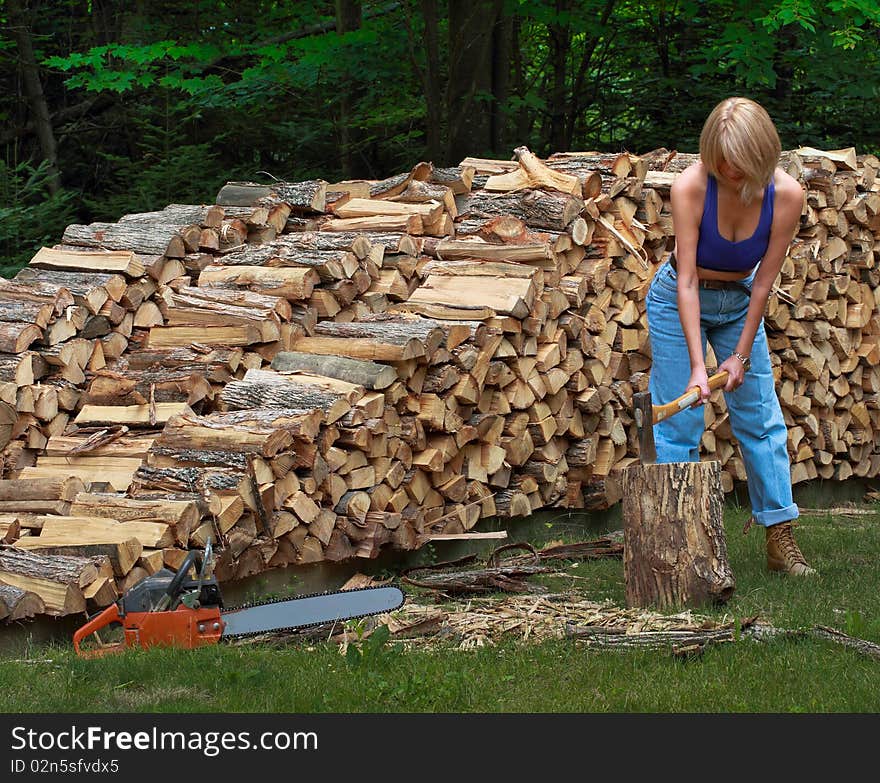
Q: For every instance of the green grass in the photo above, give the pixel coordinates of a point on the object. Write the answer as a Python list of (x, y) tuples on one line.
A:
[(803, 674)]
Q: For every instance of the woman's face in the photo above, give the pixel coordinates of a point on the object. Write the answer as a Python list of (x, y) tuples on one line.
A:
[(731, 173)]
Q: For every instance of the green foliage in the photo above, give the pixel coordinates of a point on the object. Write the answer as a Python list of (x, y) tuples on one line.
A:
[(367, 651), (159, 168), (29, 216)]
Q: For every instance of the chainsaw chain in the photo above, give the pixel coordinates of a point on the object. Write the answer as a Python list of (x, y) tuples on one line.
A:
[(291, 628)]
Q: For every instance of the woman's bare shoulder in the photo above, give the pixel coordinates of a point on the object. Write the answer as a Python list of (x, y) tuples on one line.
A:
[(787, 186), (789, 196), (691, 183)]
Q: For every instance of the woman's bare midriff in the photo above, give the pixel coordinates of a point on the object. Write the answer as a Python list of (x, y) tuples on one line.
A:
[(717, 274)]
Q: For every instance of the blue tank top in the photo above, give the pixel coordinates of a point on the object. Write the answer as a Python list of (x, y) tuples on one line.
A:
[(716, 252)]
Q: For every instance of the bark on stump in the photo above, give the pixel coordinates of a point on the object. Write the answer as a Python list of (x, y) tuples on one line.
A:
[(675, 551)]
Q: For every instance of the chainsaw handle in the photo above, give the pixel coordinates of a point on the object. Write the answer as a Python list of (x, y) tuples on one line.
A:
[(177, 582), (688, 398), (108, 616)]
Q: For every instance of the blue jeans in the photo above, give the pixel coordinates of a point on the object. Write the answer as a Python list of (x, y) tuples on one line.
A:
[(755, 413)]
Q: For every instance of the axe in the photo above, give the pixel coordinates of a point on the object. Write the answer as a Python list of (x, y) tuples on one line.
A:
[(647, 414)]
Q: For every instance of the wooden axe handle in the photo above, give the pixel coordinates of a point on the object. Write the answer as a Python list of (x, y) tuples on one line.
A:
[(687, 399)]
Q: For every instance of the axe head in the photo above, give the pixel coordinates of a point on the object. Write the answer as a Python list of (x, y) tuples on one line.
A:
[(643, 411)]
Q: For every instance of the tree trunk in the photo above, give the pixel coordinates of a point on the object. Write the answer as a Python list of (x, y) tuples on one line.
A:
[(471, 27), (560, 46), (348, 18), (30, 75), (502, 43), (579, 97), (433, 94), (675, 551)]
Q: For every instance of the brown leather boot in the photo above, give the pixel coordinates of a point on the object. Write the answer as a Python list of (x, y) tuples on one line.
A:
[(783, 553)]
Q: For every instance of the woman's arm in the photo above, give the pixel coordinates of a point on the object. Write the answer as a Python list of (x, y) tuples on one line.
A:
[(687, 195)]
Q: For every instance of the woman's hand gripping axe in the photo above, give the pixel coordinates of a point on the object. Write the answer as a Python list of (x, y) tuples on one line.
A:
[(647, 414)]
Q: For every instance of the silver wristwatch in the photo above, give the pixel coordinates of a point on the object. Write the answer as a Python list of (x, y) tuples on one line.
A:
[(746, 360)]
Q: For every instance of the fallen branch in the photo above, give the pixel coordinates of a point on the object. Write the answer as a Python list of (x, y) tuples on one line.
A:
[(862, 645), (839, 511), (484, 580), (100, 438)]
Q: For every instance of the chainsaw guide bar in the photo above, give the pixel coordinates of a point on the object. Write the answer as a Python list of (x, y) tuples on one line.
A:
[(393, 593)]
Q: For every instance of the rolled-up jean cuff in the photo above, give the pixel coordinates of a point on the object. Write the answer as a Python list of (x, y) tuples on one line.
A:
[(770, 518)]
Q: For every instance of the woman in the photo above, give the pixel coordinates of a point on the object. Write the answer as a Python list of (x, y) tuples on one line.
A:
[(735, 213)]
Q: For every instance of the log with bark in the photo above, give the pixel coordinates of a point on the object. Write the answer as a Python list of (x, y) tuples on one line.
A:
[(370, 375), (675, 550), (57, 579), (18, 604), (308, 196)]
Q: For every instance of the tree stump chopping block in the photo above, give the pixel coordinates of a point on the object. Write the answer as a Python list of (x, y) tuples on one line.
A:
[(675, 551)]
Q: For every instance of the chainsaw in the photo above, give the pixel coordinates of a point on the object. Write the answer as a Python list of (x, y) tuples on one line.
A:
[(169, 609)]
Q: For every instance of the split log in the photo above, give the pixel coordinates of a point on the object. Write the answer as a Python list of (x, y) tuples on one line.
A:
[(88, 289), (8, 421), (131, 415), (231, 335), (458, 178), (303, 425), (37, 313), (61, 488), (218, 299), (192, 433), (103, 443), (370, 375), (405, 224), (534, 253), (17, 604), (215, 363), (10, 526), (383, 338), (150, 239), (103, 591), (102, 530), (29, 287), (329, 264), (57, 579), (18, 337), (260, 389), (357, 243), (122, 554), (21, 369), (113, 262), (532, 173), (121, 386), (116, 472), (445, 296), (308, 196), (183, 515), (537, 208), (289, 282)]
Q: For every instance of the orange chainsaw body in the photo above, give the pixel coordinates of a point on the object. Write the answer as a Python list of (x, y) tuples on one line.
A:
[(182, 627)]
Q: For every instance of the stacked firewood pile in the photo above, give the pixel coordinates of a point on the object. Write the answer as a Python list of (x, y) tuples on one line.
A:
[(313, 371)]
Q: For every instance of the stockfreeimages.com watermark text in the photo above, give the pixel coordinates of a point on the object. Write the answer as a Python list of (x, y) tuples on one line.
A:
[(209, 743)]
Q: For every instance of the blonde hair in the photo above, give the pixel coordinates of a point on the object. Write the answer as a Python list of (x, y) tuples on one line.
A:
[(741, 132)]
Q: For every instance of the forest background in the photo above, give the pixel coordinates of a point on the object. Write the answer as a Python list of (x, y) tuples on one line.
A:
[(116, 106)]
